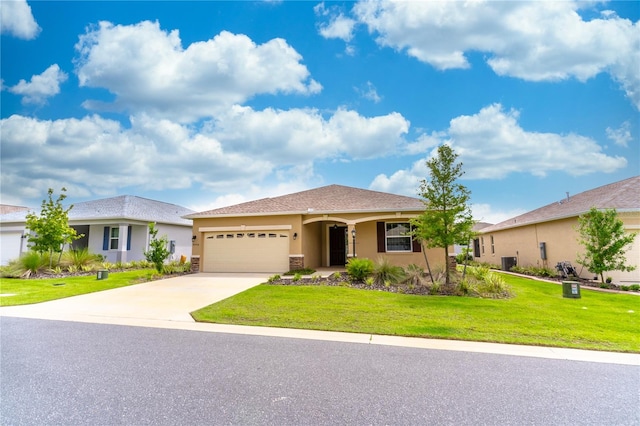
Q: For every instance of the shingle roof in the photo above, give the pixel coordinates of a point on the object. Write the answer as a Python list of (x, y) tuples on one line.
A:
[(622, 196), (326, 199), (6, 208), (121, 207)]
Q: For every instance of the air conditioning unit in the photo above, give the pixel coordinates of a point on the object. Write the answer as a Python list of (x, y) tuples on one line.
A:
[(508, 263)]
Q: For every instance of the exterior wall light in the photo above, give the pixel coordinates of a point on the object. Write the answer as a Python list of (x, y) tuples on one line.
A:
[(295, 235), (353, 234)]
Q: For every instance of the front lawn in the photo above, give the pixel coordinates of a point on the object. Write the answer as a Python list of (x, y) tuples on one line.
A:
[(537, 315), (14, 291)]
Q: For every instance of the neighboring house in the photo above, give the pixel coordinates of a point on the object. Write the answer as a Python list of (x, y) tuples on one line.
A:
[(12, 242), (314, 228), (548, 235), (116, 228)]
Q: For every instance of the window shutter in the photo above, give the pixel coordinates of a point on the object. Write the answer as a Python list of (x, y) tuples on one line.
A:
[(416, 246), (129, 238), (381, 237), (105, 239)]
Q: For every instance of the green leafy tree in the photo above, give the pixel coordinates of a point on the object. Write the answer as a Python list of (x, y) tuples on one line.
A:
[(604, 240), (49, 232), (447, 219), (158, 251)]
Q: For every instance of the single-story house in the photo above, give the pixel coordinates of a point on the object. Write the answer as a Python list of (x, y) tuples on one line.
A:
[(116, 228), (321, 227), (548, 235)]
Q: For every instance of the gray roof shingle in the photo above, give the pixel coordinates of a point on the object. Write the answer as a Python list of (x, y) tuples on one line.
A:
[(326, 199), (622, 196), (122, 207)]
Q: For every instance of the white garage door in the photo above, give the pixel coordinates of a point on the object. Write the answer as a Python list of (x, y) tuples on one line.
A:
[(10, 243), (260, 251)]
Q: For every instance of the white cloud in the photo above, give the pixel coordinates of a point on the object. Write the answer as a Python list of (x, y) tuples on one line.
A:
[(337, 25), (487, 213), (41, 86), (17, 20), (167, 80), (622, 135), (368, 91), (492, 145), (99, 156), (303, 135), (535, 41), (241, 149)]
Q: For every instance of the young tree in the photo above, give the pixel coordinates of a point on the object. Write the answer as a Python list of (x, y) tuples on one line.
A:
[(447, 219), (50, 231), (158, 251), (604, 240)]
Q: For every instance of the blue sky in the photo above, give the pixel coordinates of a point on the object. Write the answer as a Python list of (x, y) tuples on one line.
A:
[(206, 104)]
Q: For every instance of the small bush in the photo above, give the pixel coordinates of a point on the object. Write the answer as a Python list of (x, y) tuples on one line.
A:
[(359, 269), (635, 287), (384, 272), (297, 277), (274, 278), (414, 275)]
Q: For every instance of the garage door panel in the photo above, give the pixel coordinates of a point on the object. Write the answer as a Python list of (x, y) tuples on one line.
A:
[(263, 251)]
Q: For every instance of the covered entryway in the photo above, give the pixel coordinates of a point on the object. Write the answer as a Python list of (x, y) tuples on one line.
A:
[(255, 251)]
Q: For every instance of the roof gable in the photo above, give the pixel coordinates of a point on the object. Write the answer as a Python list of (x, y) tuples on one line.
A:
[(326, 199), (622, 196)]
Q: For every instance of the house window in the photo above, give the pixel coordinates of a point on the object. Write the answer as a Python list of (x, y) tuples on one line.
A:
[(493, 249), (398, 236), (111, 238), (482, 244), (114, 237)]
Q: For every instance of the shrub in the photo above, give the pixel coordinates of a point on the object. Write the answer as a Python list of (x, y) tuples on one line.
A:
[(80, 257), (28, 264), (635, 287), (274, 278), (297, 277), (384, 272), (359, 269), (414, 275), (493, 286)]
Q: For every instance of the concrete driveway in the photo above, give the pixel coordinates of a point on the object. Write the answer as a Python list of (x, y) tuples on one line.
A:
[(170, 299)]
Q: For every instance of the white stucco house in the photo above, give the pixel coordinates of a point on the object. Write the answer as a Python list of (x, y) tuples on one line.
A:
[(116, 228)]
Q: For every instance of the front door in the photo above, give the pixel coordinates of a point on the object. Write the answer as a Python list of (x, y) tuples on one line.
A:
[(337, 246)]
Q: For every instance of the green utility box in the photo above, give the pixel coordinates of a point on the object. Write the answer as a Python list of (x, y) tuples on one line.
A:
[(103, 274), (571, 289)]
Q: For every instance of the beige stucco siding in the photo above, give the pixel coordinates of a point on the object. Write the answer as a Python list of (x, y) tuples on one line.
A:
[(311, 247)]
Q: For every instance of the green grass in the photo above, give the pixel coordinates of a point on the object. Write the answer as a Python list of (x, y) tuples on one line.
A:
[(27, 291), (537, 315)]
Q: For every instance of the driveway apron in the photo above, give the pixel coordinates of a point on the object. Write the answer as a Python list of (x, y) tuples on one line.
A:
[(170, 299)]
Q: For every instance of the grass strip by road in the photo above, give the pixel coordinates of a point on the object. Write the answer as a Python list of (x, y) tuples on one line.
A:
[(537, 315), (15, 291)]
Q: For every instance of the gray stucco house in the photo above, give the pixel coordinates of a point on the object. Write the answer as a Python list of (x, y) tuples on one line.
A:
[(115, 227)]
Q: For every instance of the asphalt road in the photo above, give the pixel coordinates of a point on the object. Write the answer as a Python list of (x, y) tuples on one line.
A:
[(68, 373)]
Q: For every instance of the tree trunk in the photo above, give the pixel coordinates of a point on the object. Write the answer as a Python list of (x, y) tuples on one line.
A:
[(424, 252), (466, 260), (446, 267)]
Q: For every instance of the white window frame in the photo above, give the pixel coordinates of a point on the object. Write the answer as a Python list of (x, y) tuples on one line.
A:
[(387, 237), (113, 238)]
